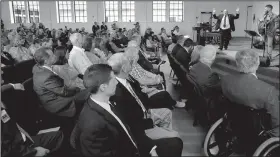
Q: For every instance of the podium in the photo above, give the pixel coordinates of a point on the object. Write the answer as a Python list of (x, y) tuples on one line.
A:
[(252, 34)]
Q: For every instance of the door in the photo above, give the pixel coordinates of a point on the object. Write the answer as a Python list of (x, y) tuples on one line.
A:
[(249, 19)]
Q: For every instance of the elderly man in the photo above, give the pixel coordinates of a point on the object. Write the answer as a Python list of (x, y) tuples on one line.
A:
[(54, 95), (179, 46), (132, 104), (246, 89), (201, 72), (77, 57)]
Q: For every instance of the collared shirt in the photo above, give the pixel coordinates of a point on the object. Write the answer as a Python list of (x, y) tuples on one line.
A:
[(49, 68), (129, 88), (227, 22), (107, 107), (79, 60)]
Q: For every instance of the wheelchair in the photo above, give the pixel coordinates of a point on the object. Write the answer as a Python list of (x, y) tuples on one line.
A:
[(242, 130)]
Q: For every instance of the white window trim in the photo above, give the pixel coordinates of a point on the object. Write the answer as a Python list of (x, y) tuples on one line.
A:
[(73, 13), (26, 4), (167, 15), (120, 12)]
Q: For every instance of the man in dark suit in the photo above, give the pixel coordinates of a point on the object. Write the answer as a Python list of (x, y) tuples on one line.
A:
[(95, 28), (178, 47), (104, 27), (15, 141), (246, 89), (100, 131), (225, 23), (132, 105), (183, 55), (54, 95)]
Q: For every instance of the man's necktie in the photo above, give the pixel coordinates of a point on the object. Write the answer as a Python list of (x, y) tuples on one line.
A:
[(25, 133), (225, 20)]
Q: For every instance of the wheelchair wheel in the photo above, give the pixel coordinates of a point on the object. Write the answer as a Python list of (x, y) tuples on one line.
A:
[(270, 147), (219, 140)]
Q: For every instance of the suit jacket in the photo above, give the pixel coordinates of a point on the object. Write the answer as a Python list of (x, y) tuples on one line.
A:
[(183, 57), (247, 90), (53, 94), (205, 78), (95, 28), (98, 133), (231, 20), (12, 141), (176, 49), (104, 27), (133, 115)]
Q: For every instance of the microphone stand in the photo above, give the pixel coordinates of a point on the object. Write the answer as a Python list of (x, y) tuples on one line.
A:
[(265, 33)]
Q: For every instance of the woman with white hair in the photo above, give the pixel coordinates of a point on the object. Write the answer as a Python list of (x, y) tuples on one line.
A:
[(18, 51)]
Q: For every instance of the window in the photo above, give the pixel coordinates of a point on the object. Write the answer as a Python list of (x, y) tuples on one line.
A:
[(34, 11), (24, 11), (19, 12), (111, 11), (65, 11), (159, 11), (176, 11), (80, 11), (72, 11), (128, 11)]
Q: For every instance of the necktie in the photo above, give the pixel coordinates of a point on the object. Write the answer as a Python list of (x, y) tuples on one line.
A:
[(137, 99), (25, 133), (225, 21)]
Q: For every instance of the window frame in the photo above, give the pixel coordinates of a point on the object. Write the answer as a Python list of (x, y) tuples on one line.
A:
[(73, 12), (26, 12), (178, 9), (167, 15), (129, 16), (118, 10)]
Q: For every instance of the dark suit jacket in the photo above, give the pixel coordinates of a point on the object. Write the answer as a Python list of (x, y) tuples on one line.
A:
[(95, 28), (176, 49), (231, 20), (133, 115), (104, 27), (99, 134), (247, 90), (53, 94), (145, 63), (12, 143), (205, 78), (183, 57)]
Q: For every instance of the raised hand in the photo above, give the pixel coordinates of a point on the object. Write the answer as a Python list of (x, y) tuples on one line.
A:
[(237, 10), (214, 10)]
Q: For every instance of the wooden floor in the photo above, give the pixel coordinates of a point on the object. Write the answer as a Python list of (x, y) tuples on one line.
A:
[(193, 137)]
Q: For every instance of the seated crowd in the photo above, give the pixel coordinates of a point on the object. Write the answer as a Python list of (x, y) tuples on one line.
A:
[(108, 94)]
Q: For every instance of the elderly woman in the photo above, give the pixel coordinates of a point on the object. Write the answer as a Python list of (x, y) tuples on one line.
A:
[(64, 71), (97, 48), (93, 56), (150, 82), (176, 31), (165, 37), (47, 42), (18, 52), (34, 46)]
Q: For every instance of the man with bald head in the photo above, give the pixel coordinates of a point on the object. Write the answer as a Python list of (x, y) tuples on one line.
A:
[(225, 23)]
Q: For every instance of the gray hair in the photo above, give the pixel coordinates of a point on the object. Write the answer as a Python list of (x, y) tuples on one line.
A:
[(119, 63), (180, 39), (75, 37), (247, 61), (207, 54), (131, 54)]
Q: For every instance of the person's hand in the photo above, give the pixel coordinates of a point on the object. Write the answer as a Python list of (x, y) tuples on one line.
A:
[(147, 90), (41, 151), (214, 10), (237, 10), (154, 153), (18, 86)]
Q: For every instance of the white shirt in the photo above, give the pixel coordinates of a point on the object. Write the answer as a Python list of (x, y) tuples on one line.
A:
[(79, 60), (227, 23), (49, 69), (107, 107)]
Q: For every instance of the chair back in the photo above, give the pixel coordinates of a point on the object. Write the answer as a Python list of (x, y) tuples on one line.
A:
[(23, 70), (8, 74)]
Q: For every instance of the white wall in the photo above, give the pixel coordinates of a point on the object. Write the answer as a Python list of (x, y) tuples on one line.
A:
[(143, 14)]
